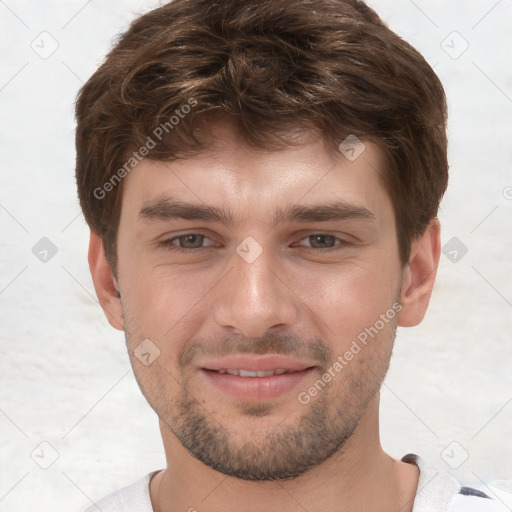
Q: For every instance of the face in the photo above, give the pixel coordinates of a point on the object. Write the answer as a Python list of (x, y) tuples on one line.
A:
[(265, 285)]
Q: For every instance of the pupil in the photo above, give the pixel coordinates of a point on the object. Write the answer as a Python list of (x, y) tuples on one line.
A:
[(323, 240), (190, 238)]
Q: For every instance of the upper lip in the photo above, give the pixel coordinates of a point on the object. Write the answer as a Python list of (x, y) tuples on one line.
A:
[(266, 362)]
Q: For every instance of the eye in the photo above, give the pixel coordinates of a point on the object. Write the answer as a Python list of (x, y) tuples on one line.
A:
[(188, 242), (194, 242), (324, 241)]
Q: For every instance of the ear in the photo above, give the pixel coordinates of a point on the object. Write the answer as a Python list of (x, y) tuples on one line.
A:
[(419, 275), (104, 282)]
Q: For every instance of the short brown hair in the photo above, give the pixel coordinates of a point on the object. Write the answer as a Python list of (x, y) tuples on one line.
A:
[(271, 66)]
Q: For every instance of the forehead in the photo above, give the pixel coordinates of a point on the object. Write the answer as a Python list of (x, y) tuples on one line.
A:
[(251, 182)]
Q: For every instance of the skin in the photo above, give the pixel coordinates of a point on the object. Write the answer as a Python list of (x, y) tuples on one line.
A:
[(300, 288)]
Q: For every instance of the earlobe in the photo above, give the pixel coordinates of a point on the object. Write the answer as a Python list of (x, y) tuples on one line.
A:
[(105, 284), (419, 276)]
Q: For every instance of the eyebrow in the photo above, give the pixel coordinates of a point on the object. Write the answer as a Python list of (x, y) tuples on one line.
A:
[(168, 209)]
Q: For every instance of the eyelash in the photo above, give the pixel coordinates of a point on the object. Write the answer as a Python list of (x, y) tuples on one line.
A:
[(169, 245)]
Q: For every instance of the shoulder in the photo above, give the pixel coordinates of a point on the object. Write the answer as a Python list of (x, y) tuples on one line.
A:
[(471, 503), (134, 497), (440, 492)]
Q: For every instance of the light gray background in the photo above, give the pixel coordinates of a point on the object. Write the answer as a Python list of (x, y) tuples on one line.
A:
[(65, 374)]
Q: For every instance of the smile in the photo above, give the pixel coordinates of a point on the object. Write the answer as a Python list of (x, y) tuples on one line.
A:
[(256, 385), (252, 373)]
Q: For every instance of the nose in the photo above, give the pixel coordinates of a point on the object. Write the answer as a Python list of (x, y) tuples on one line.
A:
[(255, 296)]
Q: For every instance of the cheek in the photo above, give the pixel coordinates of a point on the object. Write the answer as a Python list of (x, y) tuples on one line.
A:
[(351, 299), (164, 304)]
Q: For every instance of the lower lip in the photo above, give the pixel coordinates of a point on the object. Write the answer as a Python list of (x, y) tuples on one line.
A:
[(256, 388)]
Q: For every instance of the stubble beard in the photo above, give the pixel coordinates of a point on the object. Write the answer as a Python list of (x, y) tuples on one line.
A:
[(284, 451)]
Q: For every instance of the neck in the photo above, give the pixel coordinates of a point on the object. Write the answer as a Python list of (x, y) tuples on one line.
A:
[(360, 476)]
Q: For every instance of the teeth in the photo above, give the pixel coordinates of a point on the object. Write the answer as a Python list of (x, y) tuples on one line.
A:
[(250, 373), (265, 374), (247, 373)]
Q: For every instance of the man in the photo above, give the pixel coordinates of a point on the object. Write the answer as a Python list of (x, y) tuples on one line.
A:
[(261, 180)]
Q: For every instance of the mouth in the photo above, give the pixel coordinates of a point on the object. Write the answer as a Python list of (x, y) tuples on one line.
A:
[(256, 378), (257, 373)]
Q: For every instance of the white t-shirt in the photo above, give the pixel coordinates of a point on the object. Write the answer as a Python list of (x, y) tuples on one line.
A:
[(437, 492)]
